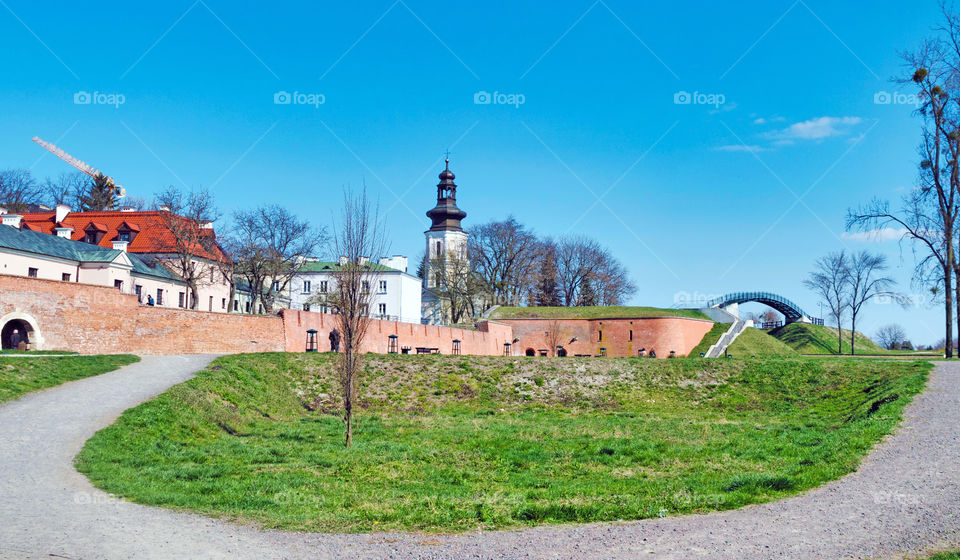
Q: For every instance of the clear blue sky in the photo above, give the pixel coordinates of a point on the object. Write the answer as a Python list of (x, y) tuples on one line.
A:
[(682, 201)]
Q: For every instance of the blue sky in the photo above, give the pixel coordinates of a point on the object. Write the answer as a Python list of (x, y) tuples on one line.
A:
[(741, 188)]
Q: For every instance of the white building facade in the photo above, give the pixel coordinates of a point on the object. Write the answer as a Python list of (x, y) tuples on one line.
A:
[(395, 293)]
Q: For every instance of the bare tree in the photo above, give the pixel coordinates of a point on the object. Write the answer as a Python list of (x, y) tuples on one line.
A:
[(504, 256), (930, 214), (186, 219), (272, 243), (359, 240), (67, 189), (889, 335), (830, 282), (18, 190), (865, 282), (456, 286), (555, 335), (576, 259)]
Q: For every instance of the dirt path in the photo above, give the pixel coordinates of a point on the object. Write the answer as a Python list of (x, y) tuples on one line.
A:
[(904, 500)]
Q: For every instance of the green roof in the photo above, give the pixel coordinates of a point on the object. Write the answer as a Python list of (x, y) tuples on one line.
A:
[(53, 246), (150, 266), (322, 266)]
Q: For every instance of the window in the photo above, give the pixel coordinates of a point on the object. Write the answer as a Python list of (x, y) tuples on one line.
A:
[(223, 303), (236, 305), (210, 304), (181, 300), (323, 308), (631, 335), (91, 237), (32, 272), (599, 336), (382, 309), (323, 286), (439, 250), (248, 307), (366, 287), (118, 284), (138, 289), (65, 276), (123, 236), (383, 286), (306, 287), (211, 275), (159, 296), (306, 307), (276, 286)]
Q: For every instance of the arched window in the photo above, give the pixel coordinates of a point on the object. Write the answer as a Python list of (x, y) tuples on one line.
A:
[(439, 250)]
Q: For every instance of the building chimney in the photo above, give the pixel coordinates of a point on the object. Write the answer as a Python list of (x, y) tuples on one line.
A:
[(12, 220), (3, 210), (396, 262), (62, 211), (364, 260), (343, 261), (164, 208), (128, 209), (65, 232), (120, 246)]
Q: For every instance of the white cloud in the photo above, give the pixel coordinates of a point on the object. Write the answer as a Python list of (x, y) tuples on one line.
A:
[(760, 120), (739, 148), (880, 235), (817, 128)]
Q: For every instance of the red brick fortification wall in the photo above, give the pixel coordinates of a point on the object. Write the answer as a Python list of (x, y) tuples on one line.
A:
[(661, 334), (99, 320), (487, 340)]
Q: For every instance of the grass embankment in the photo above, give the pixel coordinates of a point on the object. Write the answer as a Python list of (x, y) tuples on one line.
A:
[(806, 338), (595, 312), (22, 375), (709, 339), (455, 443), (945, 556), (755, 342)]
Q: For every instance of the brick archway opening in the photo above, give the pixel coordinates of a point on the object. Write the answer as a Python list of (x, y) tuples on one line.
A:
[(17, 329), (531, 352)]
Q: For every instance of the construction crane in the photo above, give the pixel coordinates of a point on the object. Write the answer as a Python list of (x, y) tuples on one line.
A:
[(82, 166)]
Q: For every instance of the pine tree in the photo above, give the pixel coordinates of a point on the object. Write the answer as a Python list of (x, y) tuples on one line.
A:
[(545, 292), (99, 196), (587, 296)]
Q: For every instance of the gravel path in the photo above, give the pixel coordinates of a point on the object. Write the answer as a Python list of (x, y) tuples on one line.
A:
[(904, 500)]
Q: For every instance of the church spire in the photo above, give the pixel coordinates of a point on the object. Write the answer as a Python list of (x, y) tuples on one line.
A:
[(446, 216)]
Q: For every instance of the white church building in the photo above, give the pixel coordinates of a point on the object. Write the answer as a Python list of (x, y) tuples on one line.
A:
[(445, 239)]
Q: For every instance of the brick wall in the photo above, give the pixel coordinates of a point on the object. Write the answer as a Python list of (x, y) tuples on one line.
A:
[(487, 340), (99, 320), (661, 334)]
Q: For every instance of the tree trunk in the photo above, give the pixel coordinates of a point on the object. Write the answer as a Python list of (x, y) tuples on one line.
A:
[(853, 332), (839, 335), (948, 297)]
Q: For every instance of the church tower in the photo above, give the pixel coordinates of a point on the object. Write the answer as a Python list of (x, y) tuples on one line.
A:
[(445, 238)]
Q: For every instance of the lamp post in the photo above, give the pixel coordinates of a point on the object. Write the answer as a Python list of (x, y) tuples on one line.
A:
[(392, 344), (311, 340), (506, 349), (456, 347)]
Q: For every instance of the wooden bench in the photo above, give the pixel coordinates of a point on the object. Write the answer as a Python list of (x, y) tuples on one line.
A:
[(425, 350)]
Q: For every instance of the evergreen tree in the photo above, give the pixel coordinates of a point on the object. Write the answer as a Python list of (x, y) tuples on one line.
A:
[(545, 292), (99, 196), (587, 296)]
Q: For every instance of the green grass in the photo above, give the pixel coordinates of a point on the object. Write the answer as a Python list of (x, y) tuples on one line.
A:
[(596, 312), (36, 352), (945, 556), (709, 339), (755, 342), (19, 376), (818, 339), (456, 443)]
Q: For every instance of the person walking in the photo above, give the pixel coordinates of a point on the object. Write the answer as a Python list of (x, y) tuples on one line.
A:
[(15, 339), (334, 340)]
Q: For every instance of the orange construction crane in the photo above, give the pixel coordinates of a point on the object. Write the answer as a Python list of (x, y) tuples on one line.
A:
[(82, 166)]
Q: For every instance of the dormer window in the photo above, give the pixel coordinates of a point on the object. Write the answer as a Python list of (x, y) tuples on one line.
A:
[(91, 238), (94, 233), (124, 236)]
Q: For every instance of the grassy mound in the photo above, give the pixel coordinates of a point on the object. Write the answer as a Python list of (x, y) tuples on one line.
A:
[(818, 339), (22, 375), (456, 443), (755, 342), (709, 339), (596, 312)]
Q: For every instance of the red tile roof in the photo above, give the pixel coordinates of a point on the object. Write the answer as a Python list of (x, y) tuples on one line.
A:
[(151, 235)]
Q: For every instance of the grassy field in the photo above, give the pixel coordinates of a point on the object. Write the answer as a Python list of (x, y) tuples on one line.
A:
[(598, 312), (755, 342), (945, 556), (456, 443), (709, 339), (817, 339), (22, 375)]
